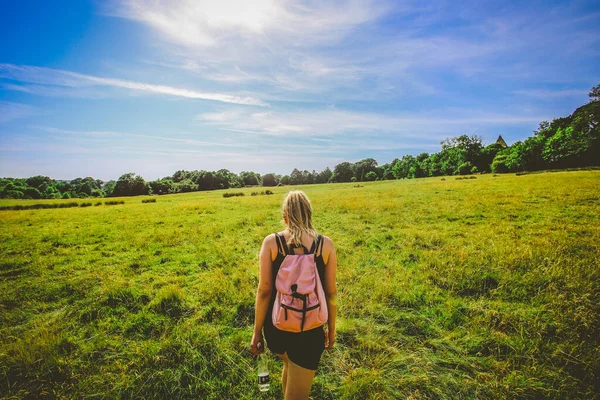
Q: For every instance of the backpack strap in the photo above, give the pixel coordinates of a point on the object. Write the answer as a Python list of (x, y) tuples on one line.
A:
[(282, 246), (315, 244), (297, 246), (319, 246), (285, 249)]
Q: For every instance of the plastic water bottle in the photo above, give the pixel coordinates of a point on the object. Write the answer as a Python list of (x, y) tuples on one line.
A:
[(263, 373)]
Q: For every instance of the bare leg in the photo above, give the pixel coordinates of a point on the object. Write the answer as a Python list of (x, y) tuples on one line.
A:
[(284, 372), (299, 381)]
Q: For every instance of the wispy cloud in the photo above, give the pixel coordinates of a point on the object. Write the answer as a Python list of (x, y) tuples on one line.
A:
[(340, 47), (10, 111), (143, 136), (310, 123), (553, 94), (56, 91), (56, 77), (207, 23), (289, 46)]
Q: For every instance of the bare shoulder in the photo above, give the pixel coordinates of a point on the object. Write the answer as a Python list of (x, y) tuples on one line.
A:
[(327, 243), (269, 247), (328, 249), (270, 241)]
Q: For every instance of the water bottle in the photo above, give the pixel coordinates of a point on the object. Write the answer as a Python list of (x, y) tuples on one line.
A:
[(263, 373)]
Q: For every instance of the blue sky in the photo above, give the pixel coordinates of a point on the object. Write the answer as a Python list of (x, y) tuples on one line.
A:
[(147, 86)]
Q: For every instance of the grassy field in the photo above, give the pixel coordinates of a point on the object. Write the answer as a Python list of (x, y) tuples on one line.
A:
[(477, 288)]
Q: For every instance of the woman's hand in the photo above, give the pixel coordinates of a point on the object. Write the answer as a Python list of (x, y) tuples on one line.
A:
[(257, 344), (329, 338)]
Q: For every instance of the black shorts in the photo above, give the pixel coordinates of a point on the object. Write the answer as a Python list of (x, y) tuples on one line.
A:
[(302, 348)]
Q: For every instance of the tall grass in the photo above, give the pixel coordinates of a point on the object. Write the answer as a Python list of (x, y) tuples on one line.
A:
[(484, 288)]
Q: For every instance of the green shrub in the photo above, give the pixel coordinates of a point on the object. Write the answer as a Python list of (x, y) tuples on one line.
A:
[(233, 194), (464, 168), (43, 206)]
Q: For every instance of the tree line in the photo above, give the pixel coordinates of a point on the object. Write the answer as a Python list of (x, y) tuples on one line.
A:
[(568, 142)]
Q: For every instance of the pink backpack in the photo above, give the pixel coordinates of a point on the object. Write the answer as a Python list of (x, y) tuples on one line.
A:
[(300, 303)]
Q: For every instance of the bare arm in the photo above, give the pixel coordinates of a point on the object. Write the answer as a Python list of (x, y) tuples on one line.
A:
[(263, 293), (330, 288)]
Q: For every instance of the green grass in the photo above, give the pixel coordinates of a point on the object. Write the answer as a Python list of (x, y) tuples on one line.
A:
[(478, 288)]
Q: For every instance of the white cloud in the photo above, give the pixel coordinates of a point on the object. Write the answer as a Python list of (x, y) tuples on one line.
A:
[(56, 77), (10, 111), (143, 136), (553, 94), (339, 49), (57, 91), (280, 45), (331, 122), (206, 23)]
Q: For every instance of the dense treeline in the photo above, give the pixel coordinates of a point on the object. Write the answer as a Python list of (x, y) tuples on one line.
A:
[(573, 141)]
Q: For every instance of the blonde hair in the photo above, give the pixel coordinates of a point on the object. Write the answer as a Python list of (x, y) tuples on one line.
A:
[(297, 210)]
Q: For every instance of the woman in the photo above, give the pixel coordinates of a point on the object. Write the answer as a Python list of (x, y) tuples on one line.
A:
[(302, 351)]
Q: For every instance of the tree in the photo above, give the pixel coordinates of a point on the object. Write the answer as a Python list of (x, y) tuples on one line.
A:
[(324, 176), (342, 172), (108, 187), (269, 180), (370, 176), (565, 148), (594, 93), (130, 184), (51, 193), (63, 186), (417, 170), (226, 179), (464, 168), (206, 180), (458, 150), (364, 166), (163, 186), (402, 167), (487, 156), (31, 193), (85, 188), (186, 186), (180, 175), (422, 157), (499, 164), (471, 145), (307, 178), (39, 182), (250, 178), (531, 153), (431, 165), (385, 171), (296, 177), (450, 159)]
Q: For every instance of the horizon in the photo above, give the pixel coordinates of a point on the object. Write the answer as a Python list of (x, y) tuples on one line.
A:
[(101, 89)]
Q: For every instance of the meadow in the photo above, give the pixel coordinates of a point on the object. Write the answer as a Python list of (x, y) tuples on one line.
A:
[(448, 289)]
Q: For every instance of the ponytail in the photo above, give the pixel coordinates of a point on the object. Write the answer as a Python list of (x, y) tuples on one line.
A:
[(298, 212)]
